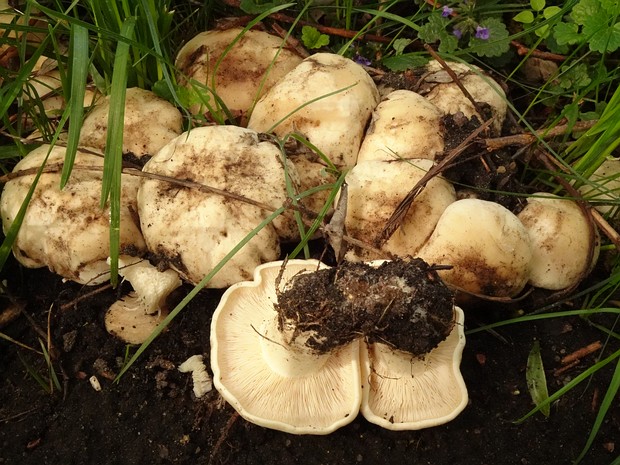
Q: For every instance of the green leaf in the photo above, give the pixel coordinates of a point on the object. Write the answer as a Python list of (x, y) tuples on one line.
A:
[(400, 44), (611, 6), (435, 30), (567, 34), (575, 76), (537, 5), (584, 10), (497, 44), (404, 62), (525, 17), (551, 11), (602, 39), (543, 30), (536, 379), (312, 38)]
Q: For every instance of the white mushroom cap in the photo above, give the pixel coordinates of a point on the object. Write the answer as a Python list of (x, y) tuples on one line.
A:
[(268, 382), (66, 230), (150, 123), (404, 125), (194, 230), (487, 246), (375, 188), (334, 124), (561, 241), (603, 190), (446, 95), (241, 72), (405, 392)]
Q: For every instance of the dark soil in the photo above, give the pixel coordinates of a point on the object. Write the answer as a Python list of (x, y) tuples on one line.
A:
[(151, 416), (402, 303)]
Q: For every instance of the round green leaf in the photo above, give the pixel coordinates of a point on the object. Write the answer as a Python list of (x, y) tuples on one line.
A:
[(525, 17), (537, 5), (551, 11)]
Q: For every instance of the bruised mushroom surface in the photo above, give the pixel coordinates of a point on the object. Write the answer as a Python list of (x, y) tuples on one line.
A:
[(401, 303), (67, 230), (192, 229)]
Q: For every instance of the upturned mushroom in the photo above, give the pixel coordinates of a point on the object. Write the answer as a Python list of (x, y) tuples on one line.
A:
[(403, 125), (150, 123), (486, 245), (300, 103), (564, 245), (439, 88), (376, 188), (403, 391), (67, 230), (193, 229), (268, 378), (238, 76), (285, 347), (134, 317)]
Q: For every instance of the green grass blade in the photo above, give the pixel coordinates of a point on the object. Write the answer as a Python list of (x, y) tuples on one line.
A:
[(50, 366), (78, 71), (574, 382), (34, 375), (524, 319), (113, 161), (536, 380), (318, 221), (610, 395), (156, 40)]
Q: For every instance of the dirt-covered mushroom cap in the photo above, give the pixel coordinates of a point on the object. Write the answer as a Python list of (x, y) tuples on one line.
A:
[(404, 125), (298, 103), (192, 230), (439, 88), (375, 188), (150, 123), (402, 391), (564, 247), (487, 246), (268, 381), (249, 69), (134, 317), (67, 230)]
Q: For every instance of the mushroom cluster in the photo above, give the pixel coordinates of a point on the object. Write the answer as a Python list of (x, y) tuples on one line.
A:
[(487, 249), (303, 347)]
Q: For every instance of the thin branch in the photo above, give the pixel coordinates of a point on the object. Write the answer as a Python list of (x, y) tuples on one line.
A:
[(496, 143)]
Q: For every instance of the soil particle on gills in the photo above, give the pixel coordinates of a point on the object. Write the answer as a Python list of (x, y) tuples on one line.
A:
[(402, 303)]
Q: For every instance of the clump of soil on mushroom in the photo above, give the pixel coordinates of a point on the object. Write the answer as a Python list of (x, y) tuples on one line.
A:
[(401, 303)]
